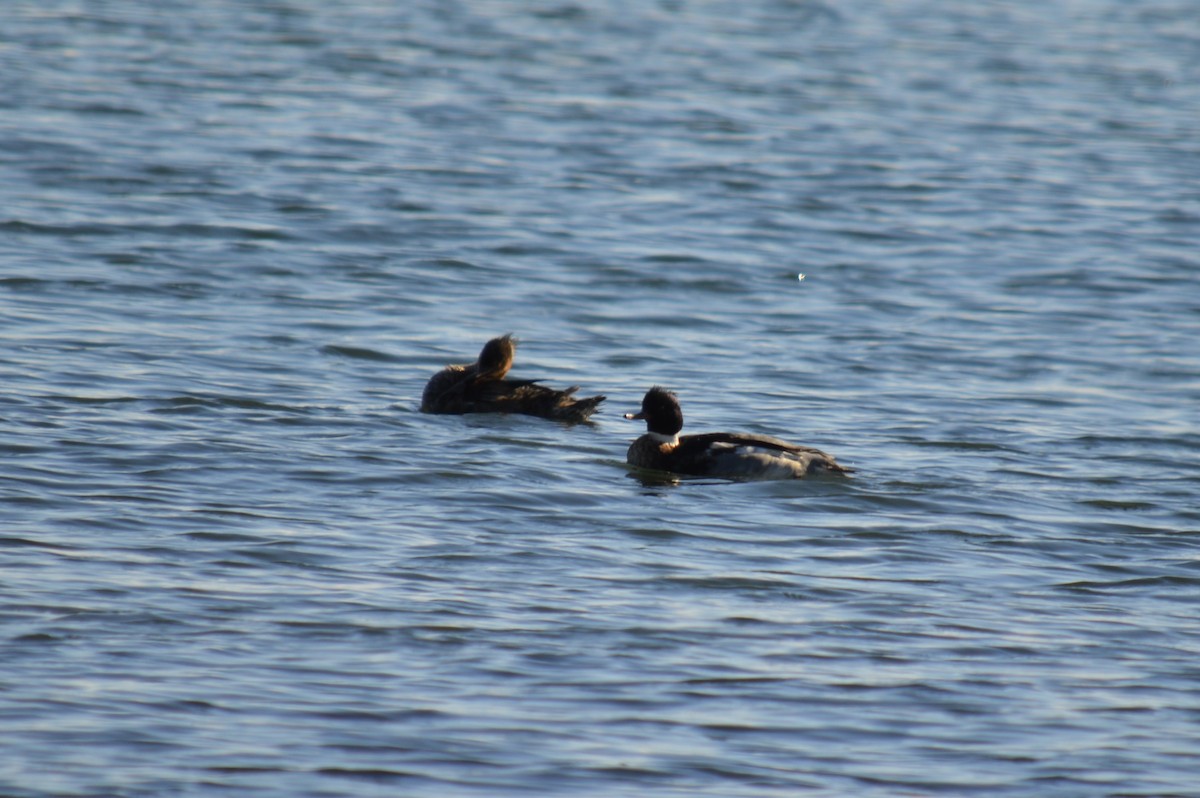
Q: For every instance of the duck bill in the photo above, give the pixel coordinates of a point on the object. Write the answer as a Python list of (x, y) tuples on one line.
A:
[(634, 416)]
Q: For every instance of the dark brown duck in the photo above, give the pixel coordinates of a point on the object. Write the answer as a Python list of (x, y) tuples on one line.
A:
[(483, 387), (731, 455)]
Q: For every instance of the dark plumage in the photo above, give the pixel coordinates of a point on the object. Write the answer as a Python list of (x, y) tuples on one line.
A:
[(717, 454), (481, 387)]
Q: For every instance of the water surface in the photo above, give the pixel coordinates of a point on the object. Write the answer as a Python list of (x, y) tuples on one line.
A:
[(236, 239)]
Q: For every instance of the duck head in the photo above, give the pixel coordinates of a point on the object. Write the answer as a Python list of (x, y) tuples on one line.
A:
[(661, 412), (496, 357)]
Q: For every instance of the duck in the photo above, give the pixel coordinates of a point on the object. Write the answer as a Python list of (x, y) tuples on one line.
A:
[(483, 387), (730, 455)]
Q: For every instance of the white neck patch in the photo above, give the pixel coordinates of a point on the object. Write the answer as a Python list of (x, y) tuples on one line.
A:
[(658, 437)]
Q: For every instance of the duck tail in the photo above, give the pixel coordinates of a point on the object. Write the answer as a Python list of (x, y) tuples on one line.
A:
[(572, 409)]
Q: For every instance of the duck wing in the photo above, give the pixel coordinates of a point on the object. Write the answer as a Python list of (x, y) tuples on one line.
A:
[(698, 443), (694, 448), (531, 399), (461, 389)]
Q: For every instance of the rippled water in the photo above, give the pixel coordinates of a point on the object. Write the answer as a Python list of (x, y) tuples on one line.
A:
[(236, 238)]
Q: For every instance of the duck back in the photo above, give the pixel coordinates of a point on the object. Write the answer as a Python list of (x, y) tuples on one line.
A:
[(754, 456), (733, 456), (459, 389)]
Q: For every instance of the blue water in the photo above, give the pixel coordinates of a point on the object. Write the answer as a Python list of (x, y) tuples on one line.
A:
[(236, 238)]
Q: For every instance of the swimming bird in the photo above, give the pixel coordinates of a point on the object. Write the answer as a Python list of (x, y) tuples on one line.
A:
[(733, 455), (482, 387)]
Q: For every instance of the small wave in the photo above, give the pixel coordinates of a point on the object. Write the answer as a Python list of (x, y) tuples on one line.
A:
[(358, 353)]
